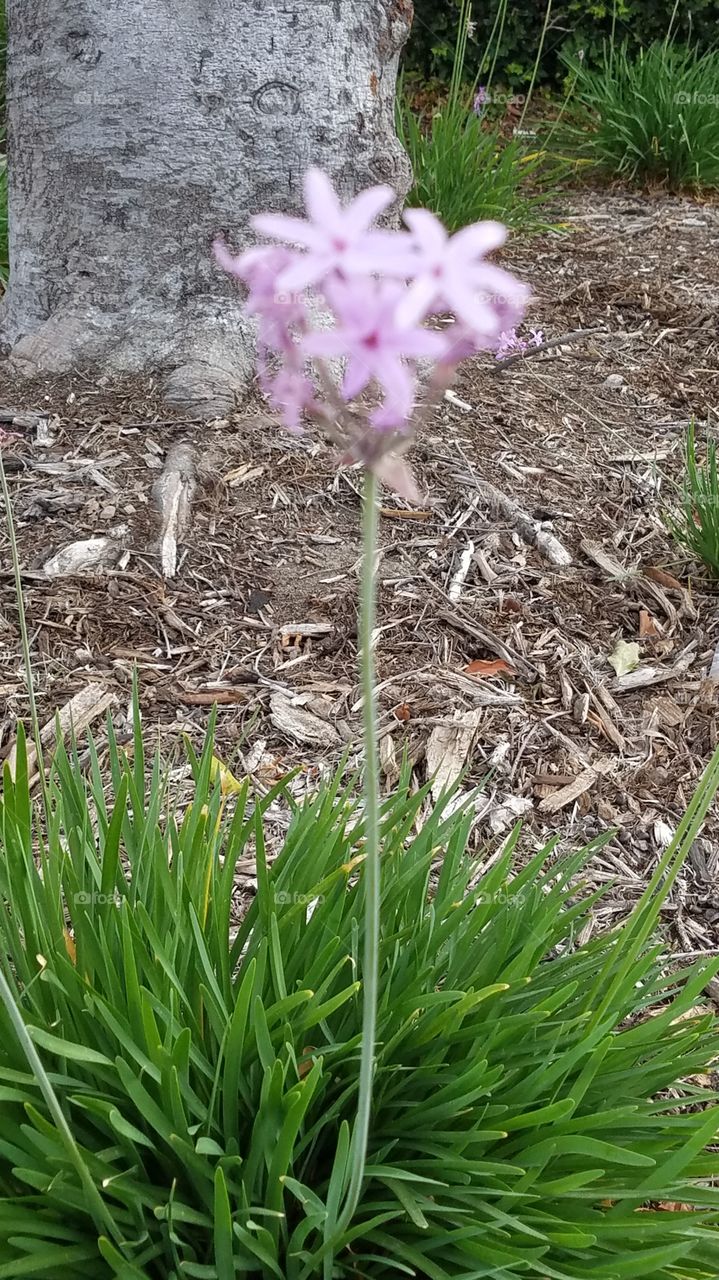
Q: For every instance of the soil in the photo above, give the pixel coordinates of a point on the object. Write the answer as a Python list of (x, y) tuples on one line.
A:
[(585, 438)]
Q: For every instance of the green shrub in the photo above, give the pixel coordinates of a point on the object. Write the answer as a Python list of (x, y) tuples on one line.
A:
[(201, 1082), (652, 117), (464, 171), (697, 528), (575, 25)]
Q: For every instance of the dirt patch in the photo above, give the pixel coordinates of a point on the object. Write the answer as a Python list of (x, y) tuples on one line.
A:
[(585, 439)]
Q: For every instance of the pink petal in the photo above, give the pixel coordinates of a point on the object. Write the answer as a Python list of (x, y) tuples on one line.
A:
[(397, 475), (293, 230), (398, 384), (469, 307), (363, 210), (417, 301), (506, 289), (321, 199), (224, 258), (427, 228), (356, 377), (423, 342), (332, 343), (306, 270), (478, 239), (387, 253)]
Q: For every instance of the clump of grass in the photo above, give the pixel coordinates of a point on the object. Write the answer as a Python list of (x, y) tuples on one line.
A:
[(463, 169), (697, 528), (176, 1096), (650, 117)]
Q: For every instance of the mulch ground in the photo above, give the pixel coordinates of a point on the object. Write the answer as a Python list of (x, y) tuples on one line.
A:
[(578, 449)]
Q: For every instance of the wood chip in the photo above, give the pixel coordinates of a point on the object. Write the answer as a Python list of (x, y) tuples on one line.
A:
[(448, 749), (172, 494), (85, 555), (300, 724), (583, 781), (303, 630)]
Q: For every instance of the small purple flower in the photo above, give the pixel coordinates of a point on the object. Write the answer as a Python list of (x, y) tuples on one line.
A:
[(481, 98), (510, 344)]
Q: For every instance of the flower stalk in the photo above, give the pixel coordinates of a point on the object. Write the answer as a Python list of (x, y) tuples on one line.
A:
[(372, 869)]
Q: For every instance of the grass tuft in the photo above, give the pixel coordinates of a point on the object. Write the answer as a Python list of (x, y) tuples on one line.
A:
[(648, 118), (191, 1112), (464, 171), (697, 527)]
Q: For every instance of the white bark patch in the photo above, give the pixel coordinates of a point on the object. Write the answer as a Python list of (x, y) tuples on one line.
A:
[(138, 132)]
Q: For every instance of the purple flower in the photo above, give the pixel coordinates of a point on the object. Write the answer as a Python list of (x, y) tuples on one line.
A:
[(379, 288), (481, 98), (375, 345), (292, 393), (451, 275), (335, 238)]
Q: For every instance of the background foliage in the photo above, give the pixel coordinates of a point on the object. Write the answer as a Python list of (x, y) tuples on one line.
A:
[(573, 25)]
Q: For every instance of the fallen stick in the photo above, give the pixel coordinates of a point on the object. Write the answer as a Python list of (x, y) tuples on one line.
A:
[(172, 492), (546, 543), (574, 336), (73, 718)]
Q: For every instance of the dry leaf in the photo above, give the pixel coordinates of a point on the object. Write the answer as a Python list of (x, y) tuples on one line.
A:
[(229, 786), (297, 722), (647, 625), (626, 657), (306, 1063), (489, 667), (402, 712), (663, 578), (70, 945)]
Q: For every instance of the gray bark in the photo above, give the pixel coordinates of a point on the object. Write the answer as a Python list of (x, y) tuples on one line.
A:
[(138, 130)]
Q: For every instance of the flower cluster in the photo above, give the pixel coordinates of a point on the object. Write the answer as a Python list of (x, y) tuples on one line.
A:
[(511, 344), (379, 289)]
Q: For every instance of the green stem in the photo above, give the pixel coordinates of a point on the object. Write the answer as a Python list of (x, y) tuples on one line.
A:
[(537, 60), (20, 601), (370, 965), (99, 1210)]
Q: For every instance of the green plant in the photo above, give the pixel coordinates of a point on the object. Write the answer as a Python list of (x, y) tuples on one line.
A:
[(648, 117), (697, 529), (463, 169), (205, 1079), (575, 25), (465, 172)]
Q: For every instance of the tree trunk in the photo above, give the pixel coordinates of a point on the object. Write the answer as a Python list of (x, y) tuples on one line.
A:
[(138, 131)]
